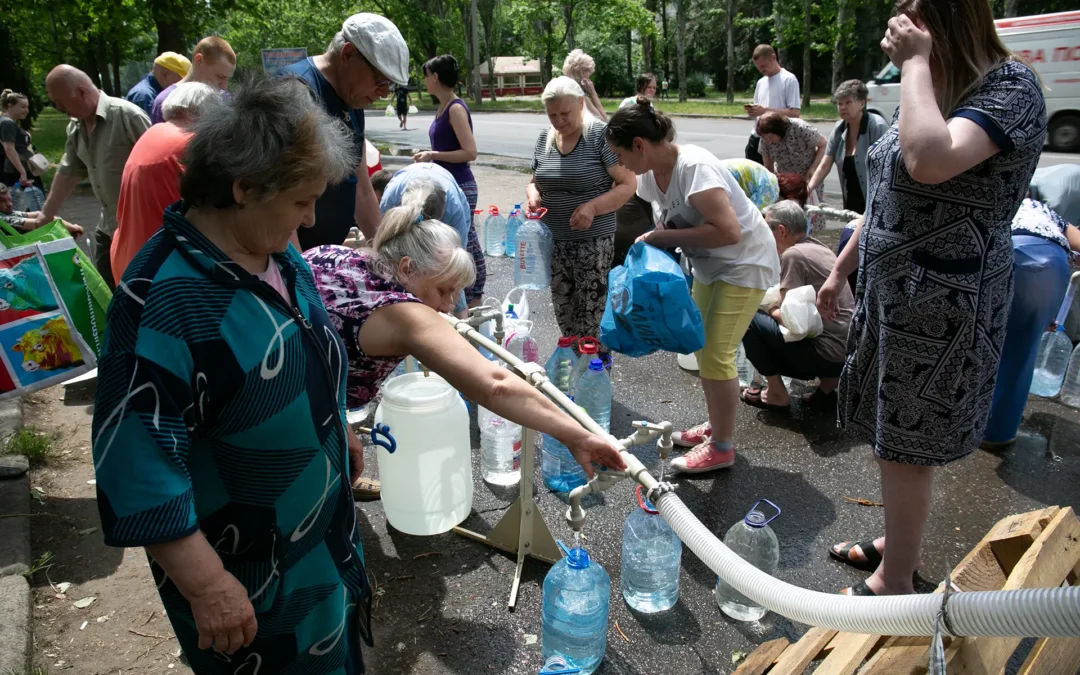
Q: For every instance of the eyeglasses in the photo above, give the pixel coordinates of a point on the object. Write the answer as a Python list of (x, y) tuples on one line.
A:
[(380, 79)]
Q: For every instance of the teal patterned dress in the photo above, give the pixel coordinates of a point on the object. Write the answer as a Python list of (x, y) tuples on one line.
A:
[(220, 408)]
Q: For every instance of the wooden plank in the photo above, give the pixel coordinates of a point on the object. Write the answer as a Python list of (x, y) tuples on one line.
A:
[(798, 656), (848, 652), (1046, 564), (1012, 537), (1053, 656), (900, 656), (978, 571), (762, 658)]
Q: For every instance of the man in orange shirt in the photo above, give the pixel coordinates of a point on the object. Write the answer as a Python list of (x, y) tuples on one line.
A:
[(151, 179)]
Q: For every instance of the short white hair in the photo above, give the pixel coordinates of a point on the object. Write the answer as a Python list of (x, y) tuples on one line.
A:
[(578, 65), (565, 87), (187, 100)]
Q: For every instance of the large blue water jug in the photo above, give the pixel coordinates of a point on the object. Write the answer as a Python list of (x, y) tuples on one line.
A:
[(495, 233), (651, 555), (561, 363), (532, 268), (513, 222), (1051, 362), (577, 598), (593, 393), (560, 470)]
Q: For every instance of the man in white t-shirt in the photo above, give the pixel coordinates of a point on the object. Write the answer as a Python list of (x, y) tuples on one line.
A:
[(777, 91)]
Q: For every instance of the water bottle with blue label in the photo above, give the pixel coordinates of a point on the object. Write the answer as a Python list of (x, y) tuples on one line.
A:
[(513, 222), (577, 599), (593, 393), (532, 268), (651, 555), (755, 542)]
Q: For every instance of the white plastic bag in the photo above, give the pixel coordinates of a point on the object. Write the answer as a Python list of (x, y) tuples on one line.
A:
[(390, 111), (521, 307), (413, 110), (800, 314), (771, 299)]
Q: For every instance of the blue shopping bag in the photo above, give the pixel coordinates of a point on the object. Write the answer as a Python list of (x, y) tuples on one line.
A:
[(649, 307)]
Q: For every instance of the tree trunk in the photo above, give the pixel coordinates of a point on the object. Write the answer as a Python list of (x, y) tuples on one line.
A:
[(648, 42), (667, 58), (1011, 7), (56, 38), (170, 31), (680, 44), (839, 58), (568, 17), (488, 41), (101, 61), (474, 26), (629, 54), (806, 72), (116, 68), (730, 51)]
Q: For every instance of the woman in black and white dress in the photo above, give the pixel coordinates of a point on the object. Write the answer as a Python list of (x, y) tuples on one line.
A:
[(935, 264), (577, 178)]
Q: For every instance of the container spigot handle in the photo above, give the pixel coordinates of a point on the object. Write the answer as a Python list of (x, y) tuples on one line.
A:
[(390, 444)]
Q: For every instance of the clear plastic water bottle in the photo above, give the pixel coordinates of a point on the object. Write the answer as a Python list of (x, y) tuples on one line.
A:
[(753, 540), (495, 233), (593, 393), (478, 226), (590, 349), (522, 344), (1051, 363), (577, 599), (500, 449), (1070, 388), (651, 555), (561, 363), (745, 368), (532, 269), (513, 222), (560, 470)]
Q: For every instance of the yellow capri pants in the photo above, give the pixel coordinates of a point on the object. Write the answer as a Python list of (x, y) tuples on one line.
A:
[(727, 311)]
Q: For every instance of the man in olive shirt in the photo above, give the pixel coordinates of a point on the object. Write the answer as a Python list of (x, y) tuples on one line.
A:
[(804, 261), (99, 139)]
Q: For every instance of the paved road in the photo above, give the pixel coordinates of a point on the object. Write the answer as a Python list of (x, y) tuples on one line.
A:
[(514, 135), (445, 614)]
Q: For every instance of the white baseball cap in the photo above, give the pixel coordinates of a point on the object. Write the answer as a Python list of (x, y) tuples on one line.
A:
[(380, 41)]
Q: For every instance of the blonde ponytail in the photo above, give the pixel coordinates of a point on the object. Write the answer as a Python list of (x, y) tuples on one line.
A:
[(433, 248)]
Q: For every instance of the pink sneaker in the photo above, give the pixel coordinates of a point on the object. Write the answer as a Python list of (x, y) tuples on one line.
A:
[(704, 458), (694, 437)]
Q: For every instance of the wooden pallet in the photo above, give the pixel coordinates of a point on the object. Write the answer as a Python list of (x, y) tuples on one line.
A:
[(1040, 549)]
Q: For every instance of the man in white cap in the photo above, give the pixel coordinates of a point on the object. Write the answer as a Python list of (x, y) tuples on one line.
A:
[(359, 66)]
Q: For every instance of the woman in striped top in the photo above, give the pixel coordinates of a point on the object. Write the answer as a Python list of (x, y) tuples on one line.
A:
[(577, 178)]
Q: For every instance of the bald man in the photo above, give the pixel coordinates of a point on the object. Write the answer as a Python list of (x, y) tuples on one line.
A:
[(102, 131)]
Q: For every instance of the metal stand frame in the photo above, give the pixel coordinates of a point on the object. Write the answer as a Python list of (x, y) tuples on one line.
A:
[(522, 529)]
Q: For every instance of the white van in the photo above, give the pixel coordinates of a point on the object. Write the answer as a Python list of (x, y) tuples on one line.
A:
[(1050, 43)]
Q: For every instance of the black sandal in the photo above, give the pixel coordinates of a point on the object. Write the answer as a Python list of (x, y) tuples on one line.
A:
[(756, 401), (870, 552), (859, 589)]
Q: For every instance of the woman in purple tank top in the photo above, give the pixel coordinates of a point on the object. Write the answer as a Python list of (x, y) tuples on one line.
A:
[(453, 147)]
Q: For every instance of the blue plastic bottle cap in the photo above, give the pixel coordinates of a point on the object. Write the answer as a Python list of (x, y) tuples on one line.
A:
[(596, 364), (578, 558)]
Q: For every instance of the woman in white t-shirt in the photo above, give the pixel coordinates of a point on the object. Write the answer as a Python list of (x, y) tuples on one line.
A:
[(731, 249)]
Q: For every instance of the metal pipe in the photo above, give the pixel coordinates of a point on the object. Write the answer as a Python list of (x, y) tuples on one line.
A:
[(833, 214)]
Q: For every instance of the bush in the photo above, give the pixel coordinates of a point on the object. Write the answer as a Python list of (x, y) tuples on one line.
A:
[(695, 85)]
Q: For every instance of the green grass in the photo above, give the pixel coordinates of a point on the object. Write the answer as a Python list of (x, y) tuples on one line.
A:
[(49, 135), (823, 109), (34, 445)]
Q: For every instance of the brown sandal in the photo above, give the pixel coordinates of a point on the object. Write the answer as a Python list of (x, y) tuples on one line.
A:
[(367, 490)]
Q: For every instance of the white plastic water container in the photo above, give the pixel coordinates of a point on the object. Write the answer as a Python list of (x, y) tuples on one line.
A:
[(427, 482)]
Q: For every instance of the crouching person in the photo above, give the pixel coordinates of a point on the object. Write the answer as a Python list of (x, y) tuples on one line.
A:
[(803, 261)]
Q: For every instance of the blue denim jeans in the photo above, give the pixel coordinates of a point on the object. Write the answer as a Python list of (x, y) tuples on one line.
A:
[(1041, 276)]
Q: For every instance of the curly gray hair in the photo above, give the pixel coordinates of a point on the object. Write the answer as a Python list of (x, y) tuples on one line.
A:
[(855, 89)]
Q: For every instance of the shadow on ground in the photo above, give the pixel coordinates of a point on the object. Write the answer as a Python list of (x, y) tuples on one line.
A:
[(62, 527)]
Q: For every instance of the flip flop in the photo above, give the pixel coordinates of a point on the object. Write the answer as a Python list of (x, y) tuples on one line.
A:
[(752, 396), (870, 552), (859, 589)]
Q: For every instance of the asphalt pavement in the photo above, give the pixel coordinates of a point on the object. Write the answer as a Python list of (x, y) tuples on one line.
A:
[(514, 135), (445, 612)]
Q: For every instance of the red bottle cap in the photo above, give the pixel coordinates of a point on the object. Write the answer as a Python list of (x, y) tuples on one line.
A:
[(589, 345)]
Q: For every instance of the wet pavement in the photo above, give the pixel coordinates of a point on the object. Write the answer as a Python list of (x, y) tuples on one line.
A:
[(446, 613)]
